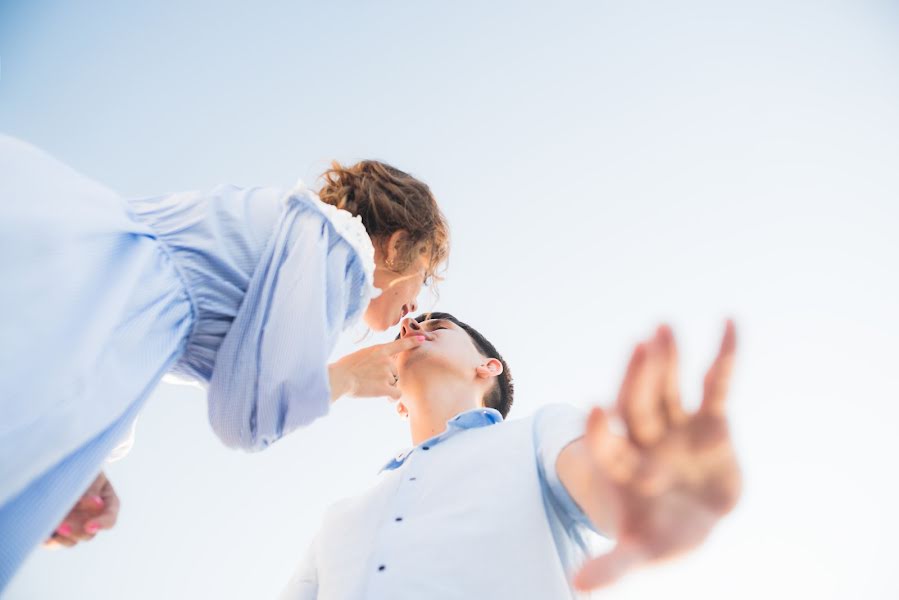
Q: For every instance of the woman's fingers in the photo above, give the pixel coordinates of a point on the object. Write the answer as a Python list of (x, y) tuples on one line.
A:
[(64, 530), (379, 389), (84, 534), (372, 371), (67, 534), (717, 378), (76, 528), (91, 502), (390, 387), (105, 521), (401, 345), (110, 514), (82, 527), (393, 392), (58, 541), (97, 509)]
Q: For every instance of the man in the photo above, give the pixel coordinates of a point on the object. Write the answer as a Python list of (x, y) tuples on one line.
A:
[(487, 508)]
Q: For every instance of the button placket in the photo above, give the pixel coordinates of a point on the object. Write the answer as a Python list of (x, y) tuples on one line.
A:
[(395, 515)]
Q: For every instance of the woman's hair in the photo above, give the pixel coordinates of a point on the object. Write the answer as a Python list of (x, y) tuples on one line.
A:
[(389, 200)]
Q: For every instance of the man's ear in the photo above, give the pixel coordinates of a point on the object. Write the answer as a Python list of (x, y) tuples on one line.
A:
[(401, 410), (393, 247), (492, 367)]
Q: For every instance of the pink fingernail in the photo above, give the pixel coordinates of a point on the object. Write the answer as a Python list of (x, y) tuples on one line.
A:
[(64, 529), (98, 501), (92, 528), (420, 338)]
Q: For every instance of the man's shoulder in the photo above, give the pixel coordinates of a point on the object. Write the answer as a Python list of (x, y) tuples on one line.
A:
[(556, 425), (549, 413), (544, 427)]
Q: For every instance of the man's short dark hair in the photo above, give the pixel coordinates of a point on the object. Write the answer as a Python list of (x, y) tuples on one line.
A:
[(501, 395)]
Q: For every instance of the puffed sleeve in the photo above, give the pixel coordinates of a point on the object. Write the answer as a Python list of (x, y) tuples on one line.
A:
[(271, 372)]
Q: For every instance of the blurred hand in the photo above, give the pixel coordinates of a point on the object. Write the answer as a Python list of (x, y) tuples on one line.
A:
[(370, 372), (97, 509), (673, 475)]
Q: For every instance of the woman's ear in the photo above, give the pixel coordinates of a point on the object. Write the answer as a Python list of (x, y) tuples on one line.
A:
[(490, 368), (394, 246)]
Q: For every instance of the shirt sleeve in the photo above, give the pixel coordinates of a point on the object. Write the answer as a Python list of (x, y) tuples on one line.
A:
[(303, 584), (555, 427), (271, 371)]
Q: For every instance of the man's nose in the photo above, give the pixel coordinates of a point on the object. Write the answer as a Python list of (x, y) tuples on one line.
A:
[(410, 327)]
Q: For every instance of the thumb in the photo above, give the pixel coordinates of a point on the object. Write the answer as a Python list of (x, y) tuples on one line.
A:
[(613, 454), (403, 344), (608, 568)]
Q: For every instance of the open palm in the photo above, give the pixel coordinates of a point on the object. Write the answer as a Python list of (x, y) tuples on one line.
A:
[(674, 474)]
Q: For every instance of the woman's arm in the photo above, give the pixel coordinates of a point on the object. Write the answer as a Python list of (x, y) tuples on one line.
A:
[(271, 373)]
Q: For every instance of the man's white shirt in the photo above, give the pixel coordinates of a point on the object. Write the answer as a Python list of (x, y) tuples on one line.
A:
[(475, 512)]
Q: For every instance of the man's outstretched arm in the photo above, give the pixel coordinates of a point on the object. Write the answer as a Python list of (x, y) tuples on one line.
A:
[(661, 485)]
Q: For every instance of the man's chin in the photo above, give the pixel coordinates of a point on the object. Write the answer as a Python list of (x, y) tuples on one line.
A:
[(413, 358)]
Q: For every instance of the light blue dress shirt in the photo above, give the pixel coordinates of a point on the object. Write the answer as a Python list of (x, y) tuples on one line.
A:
[(243, 289), (475, 512)]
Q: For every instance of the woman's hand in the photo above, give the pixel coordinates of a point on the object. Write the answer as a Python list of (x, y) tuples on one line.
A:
[(370, 372), (97, 509)]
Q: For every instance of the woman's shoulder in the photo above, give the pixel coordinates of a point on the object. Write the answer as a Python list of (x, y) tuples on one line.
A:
[(349, 249), (345, 226)]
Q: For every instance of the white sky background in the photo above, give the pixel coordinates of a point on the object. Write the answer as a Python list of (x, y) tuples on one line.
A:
[(604, 166)]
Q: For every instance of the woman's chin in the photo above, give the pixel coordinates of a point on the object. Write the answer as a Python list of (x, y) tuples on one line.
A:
[(377, 323)]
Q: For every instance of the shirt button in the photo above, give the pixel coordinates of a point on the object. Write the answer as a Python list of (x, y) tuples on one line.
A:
[(381, 568), (413, 478), (425, 447), (398, 519)]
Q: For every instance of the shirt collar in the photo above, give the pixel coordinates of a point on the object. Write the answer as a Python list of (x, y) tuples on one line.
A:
[(470, 419)]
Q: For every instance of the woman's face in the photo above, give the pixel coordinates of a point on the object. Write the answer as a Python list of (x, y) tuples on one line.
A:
[(399, 293)]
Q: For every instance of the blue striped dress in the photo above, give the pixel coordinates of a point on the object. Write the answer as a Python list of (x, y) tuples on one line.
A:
[(245, 290)]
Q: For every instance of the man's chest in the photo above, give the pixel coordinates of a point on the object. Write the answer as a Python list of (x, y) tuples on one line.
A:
[(450, 509)]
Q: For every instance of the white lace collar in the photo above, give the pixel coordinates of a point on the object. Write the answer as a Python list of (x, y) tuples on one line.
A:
[(351, 229)]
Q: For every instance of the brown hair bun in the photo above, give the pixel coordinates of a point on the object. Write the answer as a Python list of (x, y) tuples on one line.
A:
[(390, 200)]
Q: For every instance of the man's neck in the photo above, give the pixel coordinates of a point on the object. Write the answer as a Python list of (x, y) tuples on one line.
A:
[(437, 400)]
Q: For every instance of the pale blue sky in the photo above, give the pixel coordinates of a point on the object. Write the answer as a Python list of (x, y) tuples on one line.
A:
[(604, 165)]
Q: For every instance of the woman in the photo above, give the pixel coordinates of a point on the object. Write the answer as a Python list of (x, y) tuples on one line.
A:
[(245, 290)]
